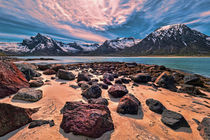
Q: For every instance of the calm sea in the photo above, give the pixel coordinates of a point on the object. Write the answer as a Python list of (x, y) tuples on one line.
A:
[(199, 65)]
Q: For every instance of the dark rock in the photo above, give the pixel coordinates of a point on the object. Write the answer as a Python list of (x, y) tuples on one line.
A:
[(44, 67), (174, 120), (47, 81), (107, 81), (115, 75), (83, 77), (190, 89), (118, 90), (11, 79), (65, 75), (155, 106), (36, 83), (141, 78), (37, 123), (101, 101), (28, 94), (108, 76), (53, 78), (204, 128), (129, 104), (49, 72), (118, 81), (28, 70), (131, 65), (92, 92), (62, 83), (13, 117), (125, 80), (103, 85), (58, 67), (193, 80), (74, 86), (165, 80), (84, 86), (91, 120)]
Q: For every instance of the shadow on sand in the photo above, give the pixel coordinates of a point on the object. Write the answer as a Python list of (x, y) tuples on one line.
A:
[(71, 136)]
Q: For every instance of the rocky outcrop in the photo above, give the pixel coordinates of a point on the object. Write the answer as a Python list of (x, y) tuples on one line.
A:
[(57, 67), (65, 75), (28, 94), (155, 106), (28, 70), (49, 72), (191, 90), (118, 90), (167, 81), (36, 83), (43, 67), (12, 117), (193, 80), (101, 101), (129, 104), (141, 78), (92, 92), (174, 120), (91, 120), (83, 77), (11, 79), (204, 128)]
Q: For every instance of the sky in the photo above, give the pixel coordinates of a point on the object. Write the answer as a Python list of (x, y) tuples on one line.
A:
[(97, 20)]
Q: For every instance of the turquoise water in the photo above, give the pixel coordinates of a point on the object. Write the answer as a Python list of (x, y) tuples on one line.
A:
[(199, 65)]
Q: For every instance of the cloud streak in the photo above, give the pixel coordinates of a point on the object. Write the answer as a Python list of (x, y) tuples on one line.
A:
[(98, 20)]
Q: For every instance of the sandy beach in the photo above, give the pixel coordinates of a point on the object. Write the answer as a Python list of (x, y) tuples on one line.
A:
[(127, 127)]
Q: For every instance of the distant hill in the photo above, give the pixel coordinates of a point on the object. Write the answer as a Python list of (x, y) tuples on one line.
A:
[(177, 39)]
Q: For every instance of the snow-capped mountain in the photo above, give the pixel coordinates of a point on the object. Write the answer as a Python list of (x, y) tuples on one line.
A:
[(177, 39), (116, 45)]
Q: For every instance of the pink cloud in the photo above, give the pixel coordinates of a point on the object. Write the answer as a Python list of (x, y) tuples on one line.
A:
[(204, 14)]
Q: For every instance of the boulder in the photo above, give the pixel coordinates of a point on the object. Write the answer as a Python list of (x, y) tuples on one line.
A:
[(57, 67), (91, 120), (129, 104), (108, 76), (84, 86), (83, 77), (103, 85), (192, 80), (155, 106), (36, 83), (107, 81), (92, 92), (204, 128), (13, 117), (44, 67), (174, 120), (49, 72), (141, 78), (166, 80), (118, 81), (65, 75), (11, 79), (28, 94), (191, 90), (125, 80), (101, 101), (118, 90), (37, 123), (28, 70)]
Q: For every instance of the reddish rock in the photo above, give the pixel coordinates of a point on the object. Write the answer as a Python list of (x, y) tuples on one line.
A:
[(129, 104), (49, 72), (13, 117), (91, 120), (118, 90), (204, 128), (11, 79)]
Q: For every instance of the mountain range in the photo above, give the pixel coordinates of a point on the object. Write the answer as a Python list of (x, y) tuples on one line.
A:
[(177, 39)]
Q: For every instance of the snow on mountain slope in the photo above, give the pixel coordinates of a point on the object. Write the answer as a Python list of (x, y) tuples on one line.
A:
[(13, 47)]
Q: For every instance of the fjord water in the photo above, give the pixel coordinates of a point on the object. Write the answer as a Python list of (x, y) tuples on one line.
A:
[(198, 65)]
